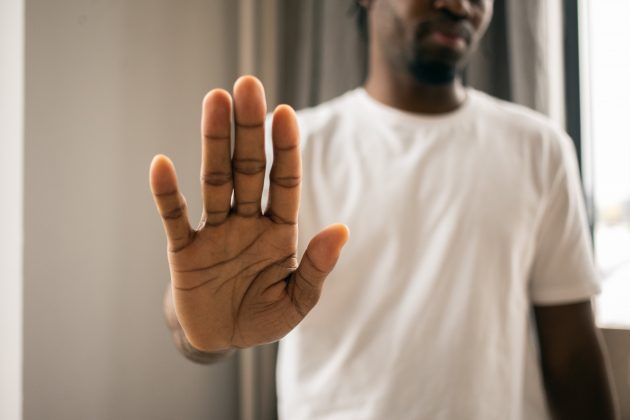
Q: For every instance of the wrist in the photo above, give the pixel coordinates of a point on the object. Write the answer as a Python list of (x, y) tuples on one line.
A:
[(181, 341), (194, 354)]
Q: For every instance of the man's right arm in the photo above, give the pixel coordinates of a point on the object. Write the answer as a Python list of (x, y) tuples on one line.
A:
[(180, 340), (236, 281)]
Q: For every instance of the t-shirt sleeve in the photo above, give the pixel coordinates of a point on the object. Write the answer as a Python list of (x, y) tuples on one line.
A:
[(563, 269)]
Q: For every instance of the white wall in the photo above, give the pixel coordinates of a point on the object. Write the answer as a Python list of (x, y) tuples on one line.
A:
[(110, 83), (11, 187)]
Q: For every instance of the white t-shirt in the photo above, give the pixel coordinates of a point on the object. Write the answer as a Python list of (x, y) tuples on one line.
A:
[(459, 223)]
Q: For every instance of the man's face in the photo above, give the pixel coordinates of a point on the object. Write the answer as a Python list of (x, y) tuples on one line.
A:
[(432, 39)]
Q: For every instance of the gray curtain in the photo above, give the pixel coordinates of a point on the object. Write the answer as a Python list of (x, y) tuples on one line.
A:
[(320, 55), (520, 58)]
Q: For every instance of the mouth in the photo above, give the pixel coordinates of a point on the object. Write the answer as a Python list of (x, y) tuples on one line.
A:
[(453, 36), (449, 40)]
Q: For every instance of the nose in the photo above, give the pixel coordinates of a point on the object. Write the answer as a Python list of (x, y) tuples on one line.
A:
[(459, 8)]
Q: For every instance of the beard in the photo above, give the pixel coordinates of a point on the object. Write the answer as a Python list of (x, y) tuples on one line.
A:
[(432, 72)]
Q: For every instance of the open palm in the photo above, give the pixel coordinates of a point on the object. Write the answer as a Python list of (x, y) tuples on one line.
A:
[(235, 280)]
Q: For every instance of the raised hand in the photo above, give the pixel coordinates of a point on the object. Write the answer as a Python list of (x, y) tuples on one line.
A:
[(235, 280)]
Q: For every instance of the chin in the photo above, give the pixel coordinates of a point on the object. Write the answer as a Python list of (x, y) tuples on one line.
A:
[(433, 72), (435, 65)]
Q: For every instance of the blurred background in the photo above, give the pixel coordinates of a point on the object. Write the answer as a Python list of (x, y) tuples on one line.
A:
[(91, 90)]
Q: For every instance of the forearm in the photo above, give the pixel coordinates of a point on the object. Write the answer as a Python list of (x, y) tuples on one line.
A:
[(583, 389), (180, 340), (574, 365)]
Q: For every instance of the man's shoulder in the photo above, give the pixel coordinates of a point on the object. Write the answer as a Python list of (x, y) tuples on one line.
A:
[(328, 114), (514, 115), (492, 115), (521, 123)]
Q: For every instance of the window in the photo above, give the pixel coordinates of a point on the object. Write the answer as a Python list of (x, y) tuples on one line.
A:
[(604, 32)]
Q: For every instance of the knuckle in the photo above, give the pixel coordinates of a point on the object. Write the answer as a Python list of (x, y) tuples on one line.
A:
[(314, 270), (249, 125), (212, 137), (166, 195), (276, 218), (290, 148), (216, 178), (214, 217), (249, 166), (248, 208), (304, 298), (286, 181), (172, 214), (175, 210)]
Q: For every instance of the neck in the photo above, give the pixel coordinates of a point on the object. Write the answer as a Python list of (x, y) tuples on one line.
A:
[(400, 90)]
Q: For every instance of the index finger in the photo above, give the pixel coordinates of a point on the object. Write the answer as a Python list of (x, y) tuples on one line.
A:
[(248, 162), (286, 172)]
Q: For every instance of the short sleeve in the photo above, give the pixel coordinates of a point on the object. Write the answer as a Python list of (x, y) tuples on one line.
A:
[(563, 269)]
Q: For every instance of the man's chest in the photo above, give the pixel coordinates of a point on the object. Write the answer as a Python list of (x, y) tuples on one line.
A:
[(423, 190)]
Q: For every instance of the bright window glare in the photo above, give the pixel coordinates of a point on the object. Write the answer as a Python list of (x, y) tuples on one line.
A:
[(610, 118)]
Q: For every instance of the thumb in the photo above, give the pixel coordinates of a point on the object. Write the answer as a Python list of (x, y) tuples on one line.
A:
[(318, 261)]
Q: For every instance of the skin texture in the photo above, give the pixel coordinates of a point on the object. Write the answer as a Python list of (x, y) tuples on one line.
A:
[(236, 281)]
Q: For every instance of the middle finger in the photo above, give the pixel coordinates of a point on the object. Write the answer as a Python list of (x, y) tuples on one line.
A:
[(248, 163)]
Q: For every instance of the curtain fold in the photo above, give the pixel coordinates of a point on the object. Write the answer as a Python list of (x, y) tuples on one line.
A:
[(321, 54), (521, 56)]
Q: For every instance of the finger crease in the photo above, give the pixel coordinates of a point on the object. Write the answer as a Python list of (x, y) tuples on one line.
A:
[(166, 194), (212, 137), (249, 125), (173, 214), (284, 149), (249, 166), (216, 179), (190, 238), (216, 212), (280, 220), (317, 269), (248, 214), (286, 181)]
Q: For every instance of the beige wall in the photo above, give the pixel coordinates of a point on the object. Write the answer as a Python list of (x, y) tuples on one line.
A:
[(110, 83), (11, 186)]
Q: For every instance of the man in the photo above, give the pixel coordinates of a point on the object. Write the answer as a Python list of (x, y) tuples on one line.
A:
[(465, 290)]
